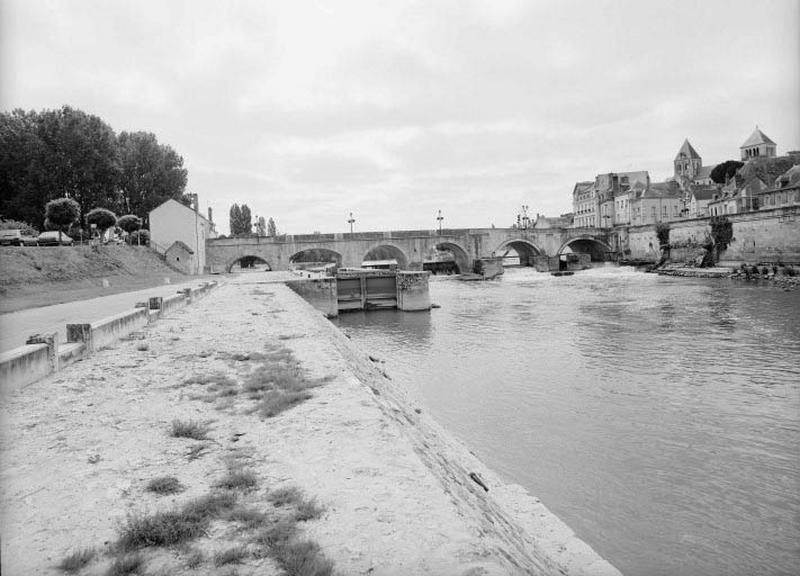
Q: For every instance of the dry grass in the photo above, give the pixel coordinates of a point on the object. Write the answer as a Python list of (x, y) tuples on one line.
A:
[(189, 429), (165, 485), (195, 559), (230, 556), (197, 451), (174, 526), (305, 509), (302, 558), (285, 496), (238, 479), (77, 560), (126, 565), (249, 518)]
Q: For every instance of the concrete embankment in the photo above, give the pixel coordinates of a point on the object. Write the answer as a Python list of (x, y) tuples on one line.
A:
[(401, 496)]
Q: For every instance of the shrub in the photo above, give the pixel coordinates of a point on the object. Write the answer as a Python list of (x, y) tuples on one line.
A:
[(662, 232), (302, 558), (24, 228), (125, 565)]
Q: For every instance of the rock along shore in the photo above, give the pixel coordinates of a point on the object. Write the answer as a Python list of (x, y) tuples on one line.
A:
[(400, 495)]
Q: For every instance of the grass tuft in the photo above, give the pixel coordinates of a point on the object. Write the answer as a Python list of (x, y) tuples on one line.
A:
[(250, 518), (230, 556), (189, 429), (285, 496), (238, 480), (302, 558), (195, 559), (277, 534), (126, 565), (165, 485), (174, 526), (77, 560), (308, 510)]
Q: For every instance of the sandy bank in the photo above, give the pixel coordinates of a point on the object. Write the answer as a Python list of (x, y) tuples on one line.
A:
[(77, 451)]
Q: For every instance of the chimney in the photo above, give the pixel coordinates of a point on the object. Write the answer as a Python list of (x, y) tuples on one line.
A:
[(210, 219), (195, 203)]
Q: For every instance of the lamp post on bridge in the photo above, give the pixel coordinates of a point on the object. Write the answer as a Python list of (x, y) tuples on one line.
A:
[(440, 218), (350, 221)]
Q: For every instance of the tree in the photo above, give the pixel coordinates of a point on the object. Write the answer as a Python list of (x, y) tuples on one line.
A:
[(240, 220), (723, 172), (150, 173), (130, 223), (261, 227), (247, 220), (272, 231), (60, 213), (235, 216), (102, 219)]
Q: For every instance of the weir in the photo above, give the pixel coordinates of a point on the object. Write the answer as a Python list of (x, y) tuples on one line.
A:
[(361, 289)]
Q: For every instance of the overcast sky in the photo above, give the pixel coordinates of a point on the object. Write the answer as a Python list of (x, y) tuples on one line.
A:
[(307, 110)]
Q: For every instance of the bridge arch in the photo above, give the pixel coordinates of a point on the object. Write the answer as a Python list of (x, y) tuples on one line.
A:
[(245, 257), (596, 248), (524, 248), (460, 255), (385, 251), (316, 255)]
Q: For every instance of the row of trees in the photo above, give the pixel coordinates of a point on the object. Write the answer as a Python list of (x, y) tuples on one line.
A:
[(241, 223), (68, 153), (62, 213)]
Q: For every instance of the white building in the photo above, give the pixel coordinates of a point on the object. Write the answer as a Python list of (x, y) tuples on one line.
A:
[(173, 222)]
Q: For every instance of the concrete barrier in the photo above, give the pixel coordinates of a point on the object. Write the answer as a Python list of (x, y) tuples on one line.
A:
[(103, 332), (24, 365), (43, 355), (172, 303)]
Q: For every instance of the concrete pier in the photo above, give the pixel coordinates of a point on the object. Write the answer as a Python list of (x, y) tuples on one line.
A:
[(412, 291)]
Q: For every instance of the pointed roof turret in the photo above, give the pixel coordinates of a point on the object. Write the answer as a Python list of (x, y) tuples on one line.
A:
[(687, 151), (757, 138)]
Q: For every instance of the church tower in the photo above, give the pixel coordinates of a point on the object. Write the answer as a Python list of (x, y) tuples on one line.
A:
[(687, 162), (758, 145)]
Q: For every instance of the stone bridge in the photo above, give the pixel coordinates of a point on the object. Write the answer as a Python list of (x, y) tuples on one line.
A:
[(410, 247)]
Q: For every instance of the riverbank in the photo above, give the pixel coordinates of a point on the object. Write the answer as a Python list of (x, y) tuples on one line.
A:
[(398, 494), (46, 275)]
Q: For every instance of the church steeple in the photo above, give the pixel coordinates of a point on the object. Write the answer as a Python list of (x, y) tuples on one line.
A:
[(687, 162)]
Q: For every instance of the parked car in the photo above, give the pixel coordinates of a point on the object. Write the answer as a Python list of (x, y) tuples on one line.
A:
[(30, 241), (50, 238), (10, 237)]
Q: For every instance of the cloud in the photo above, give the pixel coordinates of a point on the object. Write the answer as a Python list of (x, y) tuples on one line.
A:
[(306, 110)]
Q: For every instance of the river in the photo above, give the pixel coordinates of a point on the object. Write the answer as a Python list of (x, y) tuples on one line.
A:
[(658, 417)]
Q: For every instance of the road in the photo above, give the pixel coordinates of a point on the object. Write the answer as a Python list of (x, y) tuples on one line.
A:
[(16, 327)]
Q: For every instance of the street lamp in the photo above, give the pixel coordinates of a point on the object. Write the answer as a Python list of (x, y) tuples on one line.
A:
[(440, 218), (350, 221)]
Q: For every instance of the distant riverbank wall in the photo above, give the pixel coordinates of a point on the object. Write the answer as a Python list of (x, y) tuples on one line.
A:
[(761, 236)]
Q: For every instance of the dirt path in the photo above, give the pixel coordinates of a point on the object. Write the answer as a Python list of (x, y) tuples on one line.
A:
[(78, 449)]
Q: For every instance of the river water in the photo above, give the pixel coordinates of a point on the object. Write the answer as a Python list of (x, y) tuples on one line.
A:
[(658, 417)]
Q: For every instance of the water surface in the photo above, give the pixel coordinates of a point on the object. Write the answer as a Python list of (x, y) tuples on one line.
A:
[(658, 417)]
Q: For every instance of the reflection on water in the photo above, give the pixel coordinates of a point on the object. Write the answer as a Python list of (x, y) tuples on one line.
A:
[(659, 417)]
